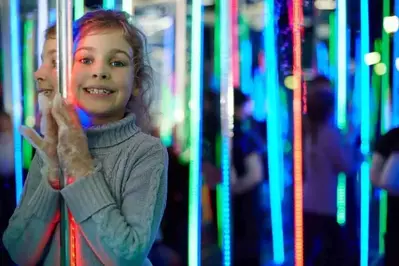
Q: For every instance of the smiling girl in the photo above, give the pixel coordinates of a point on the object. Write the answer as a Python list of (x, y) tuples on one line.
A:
[(118, 173)]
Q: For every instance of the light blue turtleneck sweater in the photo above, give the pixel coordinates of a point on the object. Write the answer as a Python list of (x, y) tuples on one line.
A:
[(117, 209)]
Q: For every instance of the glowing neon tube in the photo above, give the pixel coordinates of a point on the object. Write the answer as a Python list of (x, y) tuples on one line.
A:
[(364, 134), (16, 85), (274, 140), (180, 69), (194, 218), (29, 86), (395, 74), (332, 46), (235, 52), (227, 111), (79, 8), (322, 59), (297, 11), (341, 88), (216, 47), (385, 118), (386, 84), (167, 104), (109, 4)]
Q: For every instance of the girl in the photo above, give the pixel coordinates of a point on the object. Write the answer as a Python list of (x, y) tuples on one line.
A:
[(325, 156), (119, 174)]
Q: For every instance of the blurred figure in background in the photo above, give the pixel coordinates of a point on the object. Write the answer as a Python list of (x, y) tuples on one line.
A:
[(326, 154), (210, 162), (246, 186), (384, 174), (170, 248)]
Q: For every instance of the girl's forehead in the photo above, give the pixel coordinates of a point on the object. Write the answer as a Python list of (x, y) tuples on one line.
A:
[(93, 33), (104, 40)]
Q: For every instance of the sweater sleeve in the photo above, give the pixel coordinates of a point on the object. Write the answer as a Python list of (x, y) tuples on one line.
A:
[(34, 220), (122, 234)]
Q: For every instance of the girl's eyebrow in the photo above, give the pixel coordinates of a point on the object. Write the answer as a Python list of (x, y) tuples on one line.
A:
[(49, 53), (120, 51), (87, 48), (112, 51)]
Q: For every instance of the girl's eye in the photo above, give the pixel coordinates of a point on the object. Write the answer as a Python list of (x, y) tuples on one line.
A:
[(54, 63), (46, 92), (86, 61), (117, 64)]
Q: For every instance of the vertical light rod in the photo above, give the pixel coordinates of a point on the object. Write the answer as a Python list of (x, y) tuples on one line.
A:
[(180, 66), (386, 77), (194, 218), (274, 141), (29, 85), (109, 4), (167, 103), (342, 63), (365, 133), (395, 74), (227, 111), (297, 11), (42, 24), (16, 86), (127, 6), (79, 8), (386, 115), (341, 86), (235, 51)]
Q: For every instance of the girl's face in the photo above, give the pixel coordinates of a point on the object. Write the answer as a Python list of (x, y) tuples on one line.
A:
[(102, 75), (46, 74)]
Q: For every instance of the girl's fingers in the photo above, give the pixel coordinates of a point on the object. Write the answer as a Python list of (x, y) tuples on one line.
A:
[(60, 111), (32, 137), (51, 128)]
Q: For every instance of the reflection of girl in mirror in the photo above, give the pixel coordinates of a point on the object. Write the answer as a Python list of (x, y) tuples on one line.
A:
[(116, 173)]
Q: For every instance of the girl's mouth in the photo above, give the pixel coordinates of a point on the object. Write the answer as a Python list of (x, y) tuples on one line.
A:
[(98, 90)]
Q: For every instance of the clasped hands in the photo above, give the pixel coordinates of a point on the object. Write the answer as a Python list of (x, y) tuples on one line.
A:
[(64, 144)]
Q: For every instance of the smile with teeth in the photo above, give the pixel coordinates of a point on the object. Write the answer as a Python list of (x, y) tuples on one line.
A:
[(102, 91)]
